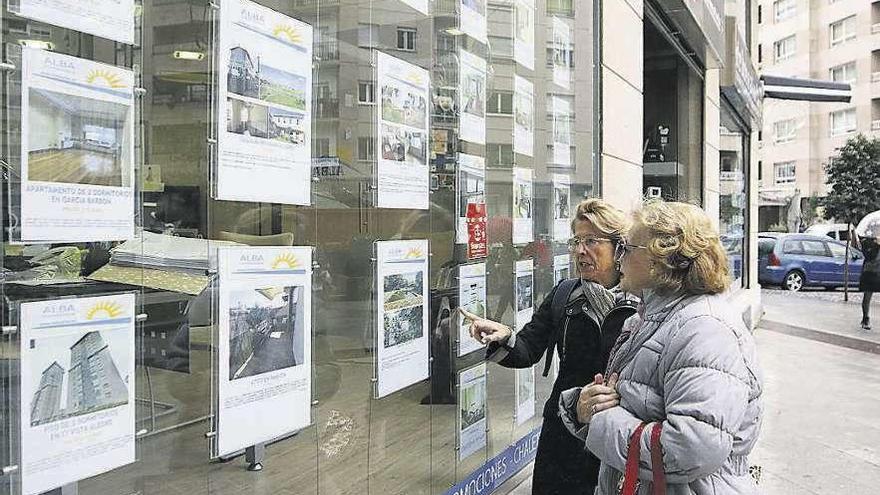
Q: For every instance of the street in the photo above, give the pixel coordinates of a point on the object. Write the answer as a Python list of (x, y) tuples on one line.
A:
[(275, 352)]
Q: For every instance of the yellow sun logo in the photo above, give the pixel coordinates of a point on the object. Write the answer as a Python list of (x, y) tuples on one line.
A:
[(414, 253), (102, 77), (287, 32), (415, 78), (286, 260), (105, 310)]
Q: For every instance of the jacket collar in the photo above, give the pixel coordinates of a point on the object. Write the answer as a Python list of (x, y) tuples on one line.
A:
[(656, 306)]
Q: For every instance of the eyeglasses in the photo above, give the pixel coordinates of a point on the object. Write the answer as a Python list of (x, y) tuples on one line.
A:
[(624, 247), (589, 241)]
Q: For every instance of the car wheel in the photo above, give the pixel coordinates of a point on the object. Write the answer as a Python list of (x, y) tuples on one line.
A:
[(794, 281)]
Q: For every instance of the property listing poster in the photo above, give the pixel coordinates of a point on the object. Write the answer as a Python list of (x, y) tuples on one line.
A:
[(561, 268), (525, 394), (111, 19), (561, 207), (471, 298), (561, 112), (402, 348), (561, 53), (77, 149), (471, 190), (403, 179), (265, 95), (77, 389), (472, 94), (472, 410), (524, 116), (522, 205), (523, 292), (524, 33), (472, 19), (265, 359)]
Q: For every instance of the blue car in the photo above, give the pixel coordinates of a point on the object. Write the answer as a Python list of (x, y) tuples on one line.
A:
[(795, 261)]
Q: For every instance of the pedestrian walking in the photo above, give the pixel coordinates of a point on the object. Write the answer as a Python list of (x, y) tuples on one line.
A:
[(869, 282), (580, 320)]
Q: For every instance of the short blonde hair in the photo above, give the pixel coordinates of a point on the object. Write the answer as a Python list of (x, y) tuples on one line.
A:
[(606, 218), (685, 247)]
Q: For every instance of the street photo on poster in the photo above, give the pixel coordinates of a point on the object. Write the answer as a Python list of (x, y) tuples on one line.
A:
[(265, 117), (472, 394), (264, 375), (523, 116), (562, 115), (471, 190), (472, 16), (77, 389), (525, 394), (524, 33), (561, 207), (472, 98), (472, 298), (562, 52), (110, 19), (77, 149), (561, 268), (523, 292), (402, 347), (522, 206), (403, 178)]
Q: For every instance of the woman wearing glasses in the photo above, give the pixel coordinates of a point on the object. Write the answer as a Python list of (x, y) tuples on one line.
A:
[(683, 403), (579, 321)]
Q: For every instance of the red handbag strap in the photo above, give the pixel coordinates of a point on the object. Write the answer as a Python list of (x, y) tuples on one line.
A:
[(631, 474), (657, 468)]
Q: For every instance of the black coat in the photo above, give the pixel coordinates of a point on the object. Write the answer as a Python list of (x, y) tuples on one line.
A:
[(562, 465)]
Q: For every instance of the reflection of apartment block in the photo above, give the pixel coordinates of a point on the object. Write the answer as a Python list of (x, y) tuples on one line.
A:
[(46, 403), (95, 381)]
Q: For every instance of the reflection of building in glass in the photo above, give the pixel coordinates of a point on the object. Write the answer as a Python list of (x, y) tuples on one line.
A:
[(95, 382), (46, 403)]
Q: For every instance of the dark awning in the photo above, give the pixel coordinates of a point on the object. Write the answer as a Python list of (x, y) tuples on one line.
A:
[(792, 88)]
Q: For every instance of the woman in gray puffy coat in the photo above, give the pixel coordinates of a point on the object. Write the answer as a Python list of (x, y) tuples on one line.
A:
[(686, 361)]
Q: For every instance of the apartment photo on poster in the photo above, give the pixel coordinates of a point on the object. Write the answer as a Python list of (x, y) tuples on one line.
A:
[(524, 33), (472, 298), (561, 207), (523, 116), (264, 363), (472, 98), (524, 292), (264, 100), (522, 206), (471, 190), (525, 394), (562, 117), (561, 268), (472, 19), (472, 434), (77, 389)]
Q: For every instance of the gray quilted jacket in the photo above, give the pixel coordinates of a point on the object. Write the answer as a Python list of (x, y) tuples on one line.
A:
[(690, 363)]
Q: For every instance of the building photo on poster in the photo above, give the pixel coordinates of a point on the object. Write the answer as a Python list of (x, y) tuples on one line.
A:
[(471, 298), (402, 316), (471, 190), (562, 117), (264, 105), (110, 19), (561, 206), (525, 394), (523, 292), (472, 19), (77, 149), (472, 97), (77, 389), (562, 53), (472, 432), (523, 116), (264, 351), (522, 206), (561, 267), (524, 33), (403, 178)]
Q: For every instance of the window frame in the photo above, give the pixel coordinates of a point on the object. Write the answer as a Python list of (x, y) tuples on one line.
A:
[(371, 93), (842, 67), (786, 179), (781, 42), (848, 130), (787, 138), (788, 13), (404, 31), (832, 42)]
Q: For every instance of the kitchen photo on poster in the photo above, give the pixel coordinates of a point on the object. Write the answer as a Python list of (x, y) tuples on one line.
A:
[(472, 298), (561, 268), (525, 394), (77, 149), (562, 115), (403, 347), (522, 206), (524, 33), (471, 190), (472, 98), (110, 19), (561, 207), (523, 292), (403, 178), (472, 394), (523, 116), (562, 52), (472, 19), (264, 375), (265, 99), (77, 389)]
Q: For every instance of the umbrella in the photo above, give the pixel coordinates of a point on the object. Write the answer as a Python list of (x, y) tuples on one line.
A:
[(870, 225)]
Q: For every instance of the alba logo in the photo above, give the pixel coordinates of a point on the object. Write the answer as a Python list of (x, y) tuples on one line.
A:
[(287, 32), (103, 310), (286, 260), (414, 253), (105, 78), (58, 310)]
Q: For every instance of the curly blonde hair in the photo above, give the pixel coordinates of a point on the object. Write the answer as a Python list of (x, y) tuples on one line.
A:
[(606, 218), (685, 247)]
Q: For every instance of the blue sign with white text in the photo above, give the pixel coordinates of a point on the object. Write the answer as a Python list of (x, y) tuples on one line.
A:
[(502, 467)]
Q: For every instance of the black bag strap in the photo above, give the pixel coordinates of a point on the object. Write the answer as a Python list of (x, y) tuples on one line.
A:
[(557, 308)]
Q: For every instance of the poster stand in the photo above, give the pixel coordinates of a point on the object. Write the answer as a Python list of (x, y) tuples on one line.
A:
[(254, 456)]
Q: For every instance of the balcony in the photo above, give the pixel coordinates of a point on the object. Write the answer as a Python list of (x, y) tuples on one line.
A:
[(326, 108), (327, 50)]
